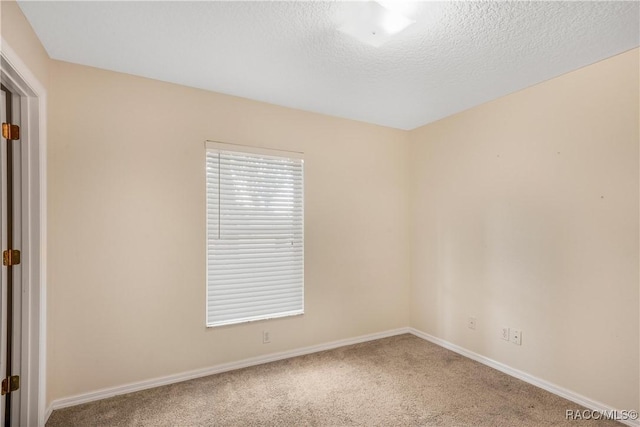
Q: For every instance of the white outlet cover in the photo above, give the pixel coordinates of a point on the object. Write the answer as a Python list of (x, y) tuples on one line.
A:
[(504, 333), (471, 322), (516, 336)]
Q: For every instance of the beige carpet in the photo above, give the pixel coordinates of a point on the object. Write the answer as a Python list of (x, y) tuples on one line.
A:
[(397, 381)]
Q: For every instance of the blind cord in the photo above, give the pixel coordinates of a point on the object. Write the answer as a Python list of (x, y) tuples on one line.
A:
[(219, 197)]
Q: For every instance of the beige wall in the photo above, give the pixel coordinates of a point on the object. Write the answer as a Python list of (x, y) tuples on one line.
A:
[(127, 228), (525, 214), (17, 32)]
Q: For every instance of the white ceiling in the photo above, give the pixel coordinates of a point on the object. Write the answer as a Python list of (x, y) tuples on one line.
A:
[(457, 54)]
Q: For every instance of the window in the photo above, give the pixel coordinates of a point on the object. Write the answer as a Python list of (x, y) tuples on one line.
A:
[(255, 234)]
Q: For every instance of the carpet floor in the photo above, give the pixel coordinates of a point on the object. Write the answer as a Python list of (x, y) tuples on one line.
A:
[(397, 381)]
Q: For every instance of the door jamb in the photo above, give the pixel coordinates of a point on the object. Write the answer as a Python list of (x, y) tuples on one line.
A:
[(17, 76)]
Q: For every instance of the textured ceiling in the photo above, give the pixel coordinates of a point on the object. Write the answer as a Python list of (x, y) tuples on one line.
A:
[(457, 54)]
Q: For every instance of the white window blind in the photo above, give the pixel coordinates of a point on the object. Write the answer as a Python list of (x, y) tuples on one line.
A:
[(255, 236)]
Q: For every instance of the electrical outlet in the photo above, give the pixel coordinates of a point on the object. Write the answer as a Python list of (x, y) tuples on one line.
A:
[(471, 322), (505, 333), (266, 337), (516, 336)]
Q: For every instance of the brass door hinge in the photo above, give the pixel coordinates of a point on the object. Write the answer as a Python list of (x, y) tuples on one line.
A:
[(10, 384), (11, 257), (10, 132)]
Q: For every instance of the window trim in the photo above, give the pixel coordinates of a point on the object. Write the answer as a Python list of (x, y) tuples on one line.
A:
[(249, 149)]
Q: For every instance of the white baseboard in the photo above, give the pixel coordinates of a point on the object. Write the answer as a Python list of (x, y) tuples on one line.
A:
[(545, 385), (47, 413), (171, 379)]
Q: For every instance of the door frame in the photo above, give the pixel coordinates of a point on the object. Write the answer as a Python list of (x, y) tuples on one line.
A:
[(16, 76), (11, 352)]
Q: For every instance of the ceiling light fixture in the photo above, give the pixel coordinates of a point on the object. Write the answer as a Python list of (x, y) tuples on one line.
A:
[(372, 23)]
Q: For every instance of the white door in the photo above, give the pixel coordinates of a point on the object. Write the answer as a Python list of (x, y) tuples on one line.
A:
[(10, 297)]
